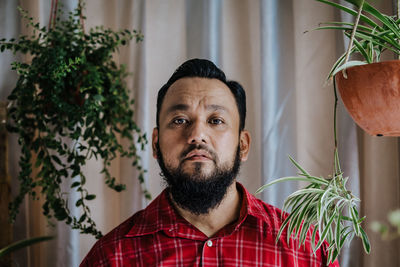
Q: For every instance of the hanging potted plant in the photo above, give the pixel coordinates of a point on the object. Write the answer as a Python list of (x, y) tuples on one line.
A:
[(70, 104), (370, 89)]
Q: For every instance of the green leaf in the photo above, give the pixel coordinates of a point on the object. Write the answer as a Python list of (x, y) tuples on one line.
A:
[(344, 236), (56, 159), (366, 244), (354, 218), (90, 197), (325, 232), (307, 191), (22, 244), (283, 226), (290, 178), (300, 220), (299, 167), (75, 184), (338, 232), (351, 12), (284, 179), (99, 98), (82, 218), (382, 18), (314, 234), (79, 202), (291, 219)]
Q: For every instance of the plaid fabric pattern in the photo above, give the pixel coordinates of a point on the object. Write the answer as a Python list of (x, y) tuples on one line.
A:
[(159, 236)]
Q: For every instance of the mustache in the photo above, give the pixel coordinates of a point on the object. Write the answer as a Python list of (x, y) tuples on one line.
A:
[(192, 147)]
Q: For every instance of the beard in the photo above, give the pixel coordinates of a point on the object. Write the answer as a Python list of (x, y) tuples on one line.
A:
[(199, 193)]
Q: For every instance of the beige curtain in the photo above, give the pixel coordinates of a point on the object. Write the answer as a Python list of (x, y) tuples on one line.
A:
[(169, 41)]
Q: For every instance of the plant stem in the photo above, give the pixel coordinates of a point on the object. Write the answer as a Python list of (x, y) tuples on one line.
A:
[(336, 153), (353, 33), (81, 16), (53, 14)]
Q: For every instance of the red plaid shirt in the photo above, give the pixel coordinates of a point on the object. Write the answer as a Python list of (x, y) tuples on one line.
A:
[(159, 236)]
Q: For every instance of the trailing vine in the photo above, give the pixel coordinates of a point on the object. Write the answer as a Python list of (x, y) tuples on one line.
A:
[(70, 104)]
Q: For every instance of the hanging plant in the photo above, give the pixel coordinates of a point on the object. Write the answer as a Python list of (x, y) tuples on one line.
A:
[(70, 104), (378, 33), (368, 87), (325, 205)]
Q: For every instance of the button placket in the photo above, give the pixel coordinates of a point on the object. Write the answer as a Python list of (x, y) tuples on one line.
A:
[(209, 252)]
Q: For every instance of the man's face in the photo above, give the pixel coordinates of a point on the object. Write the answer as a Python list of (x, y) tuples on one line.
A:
[(198, 144), (202, 112)]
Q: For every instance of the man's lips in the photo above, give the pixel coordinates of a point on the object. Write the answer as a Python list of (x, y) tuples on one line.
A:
[(197, 155)]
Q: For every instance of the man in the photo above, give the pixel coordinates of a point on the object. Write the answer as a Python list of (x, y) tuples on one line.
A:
[(204, 217)]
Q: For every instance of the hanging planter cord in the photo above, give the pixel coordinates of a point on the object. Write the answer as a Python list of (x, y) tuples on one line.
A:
[(353, 33)]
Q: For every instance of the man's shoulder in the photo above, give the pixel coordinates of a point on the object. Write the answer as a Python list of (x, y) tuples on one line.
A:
[(266, 208), (142, 222), (123, 229), (265, 212), (107, 244)]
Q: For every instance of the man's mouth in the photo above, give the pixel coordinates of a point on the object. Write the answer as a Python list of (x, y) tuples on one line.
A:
[(197, 155)]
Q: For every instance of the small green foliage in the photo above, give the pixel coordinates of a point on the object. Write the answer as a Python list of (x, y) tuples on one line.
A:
[(378, 33), (323, 204), (70, 104)]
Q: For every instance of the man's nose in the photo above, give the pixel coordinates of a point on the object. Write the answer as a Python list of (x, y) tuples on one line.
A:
[(197, 133)]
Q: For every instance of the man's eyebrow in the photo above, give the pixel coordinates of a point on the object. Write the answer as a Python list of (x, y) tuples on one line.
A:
[(183, 107), (215, 107), (177, 107)]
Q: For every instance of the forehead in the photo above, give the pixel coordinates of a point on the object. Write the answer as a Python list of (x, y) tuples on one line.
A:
[(195, 92)]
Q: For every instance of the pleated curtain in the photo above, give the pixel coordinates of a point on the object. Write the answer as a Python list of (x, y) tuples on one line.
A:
[(270, 48)]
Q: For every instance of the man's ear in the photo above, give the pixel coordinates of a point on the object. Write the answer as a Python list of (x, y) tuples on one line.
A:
[(245, 141), (154, 141)]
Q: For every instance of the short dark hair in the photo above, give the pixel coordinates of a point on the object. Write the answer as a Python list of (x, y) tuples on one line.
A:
[(204, 68)]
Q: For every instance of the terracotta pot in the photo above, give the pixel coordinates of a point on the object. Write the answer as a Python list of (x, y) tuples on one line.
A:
[(371, 94)]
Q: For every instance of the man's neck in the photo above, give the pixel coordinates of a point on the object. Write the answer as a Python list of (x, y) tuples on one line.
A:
[(225, 213)]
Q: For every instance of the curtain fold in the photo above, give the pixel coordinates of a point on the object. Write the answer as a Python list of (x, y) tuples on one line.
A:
[(278, 97), (203, 29), (263, 45)]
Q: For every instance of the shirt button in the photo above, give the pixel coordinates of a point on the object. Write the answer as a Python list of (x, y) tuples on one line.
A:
[(209, 243)]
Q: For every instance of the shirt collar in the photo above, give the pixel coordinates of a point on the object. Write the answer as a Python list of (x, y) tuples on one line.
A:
[(157, 216), (160, 215)]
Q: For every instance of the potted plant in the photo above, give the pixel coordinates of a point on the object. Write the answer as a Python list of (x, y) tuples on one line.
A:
[(371, 93), (370, 89), (70, 104)]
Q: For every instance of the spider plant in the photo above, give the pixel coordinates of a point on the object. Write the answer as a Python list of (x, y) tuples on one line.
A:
[(378, 33), (325, 205), (325, 202)]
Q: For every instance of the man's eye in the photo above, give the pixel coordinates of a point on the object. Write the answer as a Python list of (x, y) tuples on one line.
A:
[(216, 121), (179, 121)]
